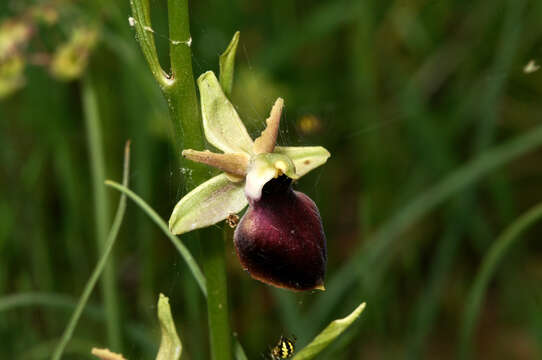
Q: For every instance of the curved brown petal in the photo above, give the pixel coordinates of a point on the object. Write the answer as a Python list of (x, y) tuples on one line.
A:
[(280, 240)]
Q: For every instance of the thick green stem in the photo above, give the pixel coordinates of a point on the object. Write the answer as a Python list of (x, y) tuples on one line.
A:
[(184, 111), (214, 266), (101, 210), (180, 92)]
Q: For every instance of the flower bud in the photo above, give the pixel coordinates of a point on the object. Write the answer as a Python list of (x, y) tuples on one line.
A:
[(280, 239)]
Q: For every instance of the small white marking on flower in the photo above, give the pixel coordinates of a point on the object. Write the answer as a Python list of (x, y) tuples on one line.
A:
[(131, 21), (531, 67)]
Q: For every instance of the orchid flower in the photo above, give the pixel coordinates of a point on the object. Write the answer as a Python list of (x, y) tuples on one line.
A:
[(280, 239)]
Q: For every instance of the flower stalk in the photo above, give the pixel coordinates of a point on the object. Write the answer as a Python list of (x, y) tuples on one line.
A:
[(179, 90)]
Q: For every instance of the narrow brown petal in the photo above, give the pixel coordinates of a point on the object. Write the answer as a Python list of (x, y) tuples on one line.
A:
[(268, 139), (235, 163)]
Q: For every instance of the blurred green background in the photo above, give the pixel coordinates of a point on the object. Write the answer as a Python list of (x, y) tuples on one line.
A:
[(429, 110)]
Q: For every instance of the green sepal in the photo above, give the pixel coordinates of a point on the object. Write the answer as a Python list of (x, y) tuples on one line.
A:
[(170, 344), (305, 158), (221, 123), (328, 335), (227, 65), (207, 204)]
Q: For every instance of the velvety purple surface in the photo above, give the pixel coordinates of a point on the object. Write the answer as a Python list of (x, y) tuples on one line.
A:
[(280, 239)]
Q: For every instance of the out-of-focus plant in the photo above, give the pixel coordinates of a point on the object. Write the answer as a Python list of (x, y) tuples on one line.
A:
[(71, 58), (14, 36), (11, 75), (19, 48)]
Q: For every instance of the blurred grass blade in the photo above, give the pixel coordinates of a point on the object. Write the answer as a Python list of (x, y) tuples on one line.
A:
[(316, 25), (330, 333), (239, 353), (227, 65), (487, 269), (170, 345), (68, 332), (101, 206), (76, 349), (13, 301), (368, 257), (192, 265), (92, 312)]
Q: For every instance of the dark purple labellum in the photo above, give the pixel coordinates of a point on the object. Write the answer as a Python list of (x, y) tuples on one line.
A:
[(280, 239)]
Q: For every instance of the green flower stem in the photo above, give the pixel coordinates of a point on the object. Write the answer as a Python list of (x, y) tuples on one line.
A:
[(214, 266), (100, 267), (180, 93), (101, 210)]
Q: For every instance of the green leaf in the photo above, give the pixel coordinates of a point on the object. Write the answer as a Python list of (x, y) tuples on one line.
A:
[(227, 65), (305, 158), (330, 333), (238, 351), (207, 204), (170, 345), (221, 123)]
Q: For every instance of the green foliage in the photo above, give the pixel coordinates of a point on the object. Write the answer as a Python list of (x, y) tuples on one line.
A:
[(328, 335), (494, 255), (227, 65), (435, 135), (183, 251), (170, 345)]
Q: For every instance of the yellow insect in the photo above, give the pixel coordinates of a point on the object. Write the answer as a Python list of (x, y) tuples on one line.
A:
[(232, 220), (284, 349)]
